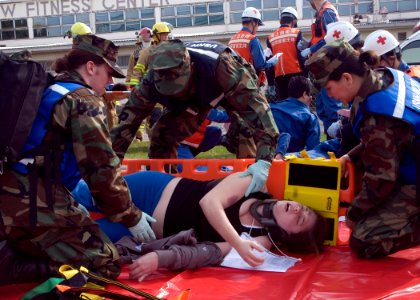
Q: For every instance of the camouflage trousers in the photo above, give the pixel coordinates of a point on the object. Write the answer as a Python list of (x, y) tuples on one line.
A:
[(64, 236), (172, 128), (241, 143), (392, 226)]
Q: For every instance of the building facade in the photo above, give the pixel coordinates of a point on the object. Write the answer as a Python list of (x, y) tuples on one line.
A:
[(40, 25)]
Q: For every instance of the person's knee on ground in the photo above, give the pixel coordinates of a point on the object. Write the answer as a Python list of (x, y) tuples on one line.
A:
[(384, 247)]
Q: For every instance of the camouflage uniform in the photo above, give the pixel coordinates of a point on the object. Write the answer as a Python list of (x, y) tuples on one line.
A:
[(66, 234), (385, 211), (219, 77)]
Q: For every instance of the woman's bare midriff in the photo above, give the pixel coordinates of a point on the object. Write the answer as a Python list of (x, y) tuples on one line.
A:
[(160, 210)]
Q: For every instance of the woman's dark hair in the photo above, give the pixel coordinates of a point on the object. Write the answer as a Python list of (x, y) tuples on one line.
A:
[(358, 64), (309, 241), (75, 58)]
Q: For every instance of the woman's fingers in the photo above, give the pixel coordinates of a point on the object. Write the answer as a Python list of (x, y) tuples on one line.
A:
[(143, 266), (254, 257)]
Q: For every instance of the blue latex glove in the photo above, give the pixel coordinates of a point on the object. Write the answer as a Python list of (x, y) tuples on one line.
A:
[(259, 172), (142, 230), (305, 52)]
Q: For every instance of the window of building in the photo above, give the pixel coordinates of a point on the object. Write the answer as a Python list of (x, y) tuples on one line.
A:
[(194, 15), (392, 6), (122, 60), (56, 25), (124, 20), (14, 29), (269, 9), (344, 8), (406, 5), (402, 36)]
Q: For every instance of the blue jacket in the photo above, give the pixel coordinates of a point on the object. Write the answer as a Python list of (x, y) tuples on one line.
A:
[(326, 108), (70, 174), (294, 117), (399, 100)]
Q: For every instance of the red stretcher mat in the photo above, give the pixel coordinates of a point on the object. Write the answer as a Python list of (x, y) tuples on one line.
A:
[(335, 274)]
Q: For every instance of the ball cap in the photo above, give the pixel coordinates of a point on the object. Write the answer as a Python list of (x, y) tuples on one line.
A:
[(103, 48), (170, 63), (327, 59)]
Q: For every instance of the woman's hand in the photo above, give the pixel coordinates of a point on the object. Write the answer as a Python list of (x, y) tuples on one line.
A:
[(246, 250), (143, 266)]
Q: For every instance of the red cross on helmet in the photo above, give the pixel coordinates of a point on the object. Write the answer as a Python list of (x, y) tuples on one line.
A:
[(341, 30), (381, 41)]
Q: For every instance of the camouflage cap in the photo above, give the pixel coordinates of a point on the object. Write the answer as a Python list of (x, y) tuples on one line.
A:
[(327, 59), (102, 48), (170, 62)]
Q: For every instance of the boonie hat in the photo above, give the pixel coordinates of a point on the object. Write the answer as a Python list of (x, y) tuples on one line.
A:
[(327, 59), (170, 62), (103, 48)]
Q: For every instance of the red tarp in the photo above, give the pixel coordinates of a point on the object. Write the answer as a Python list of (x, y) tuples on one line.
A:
[(335, 274)]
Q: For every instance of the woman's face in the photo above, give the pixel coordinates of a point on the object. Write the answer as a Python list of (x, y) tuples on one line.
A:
[(342, 89), (101, 77), (293, 216)]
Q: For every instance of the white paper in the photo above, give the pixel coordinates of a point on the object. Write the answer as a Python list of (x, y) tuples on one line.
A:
[(272, 262)]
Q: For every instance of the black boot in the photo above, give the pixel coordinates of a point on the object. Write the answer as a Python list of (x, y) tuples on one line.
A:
[(19, 269)]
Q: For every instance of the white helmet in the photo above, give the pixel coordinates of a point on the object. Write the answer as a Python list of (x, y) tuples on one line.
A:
[(341, 30), (289, 11), (381, 41), (250, 14)]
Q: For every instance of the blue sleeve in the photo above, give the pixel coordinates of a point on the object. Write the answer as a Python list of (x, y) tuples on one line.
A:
[(317, 46), (257, 53), (218, 115), (327, 107), (314, 133), (283, 143), (328, 17), (81, 194)]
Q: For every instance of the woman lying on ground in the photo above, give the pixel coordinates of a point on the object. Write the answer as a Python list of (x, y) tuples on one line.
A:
[(218, 212)]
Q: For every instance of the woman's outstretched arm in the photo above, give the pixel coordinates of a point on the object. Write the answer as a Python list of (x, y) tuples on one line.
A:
[(226, 193)]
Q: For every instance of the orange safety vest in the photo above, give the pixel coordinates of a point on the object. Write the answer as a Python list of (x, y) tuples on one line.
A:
[(198, 136), (413, 71), (284, 40), (240, 43), (318, 31)]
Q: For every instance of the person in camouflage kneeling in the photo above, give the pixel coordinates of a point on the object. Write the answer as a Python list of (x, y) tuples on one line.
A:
[(188, 80), (41, 225), (385, 114)]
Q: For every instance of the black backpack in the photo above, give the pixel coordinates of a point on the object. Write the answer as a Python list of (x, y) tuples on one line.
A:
[(22, 84)]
